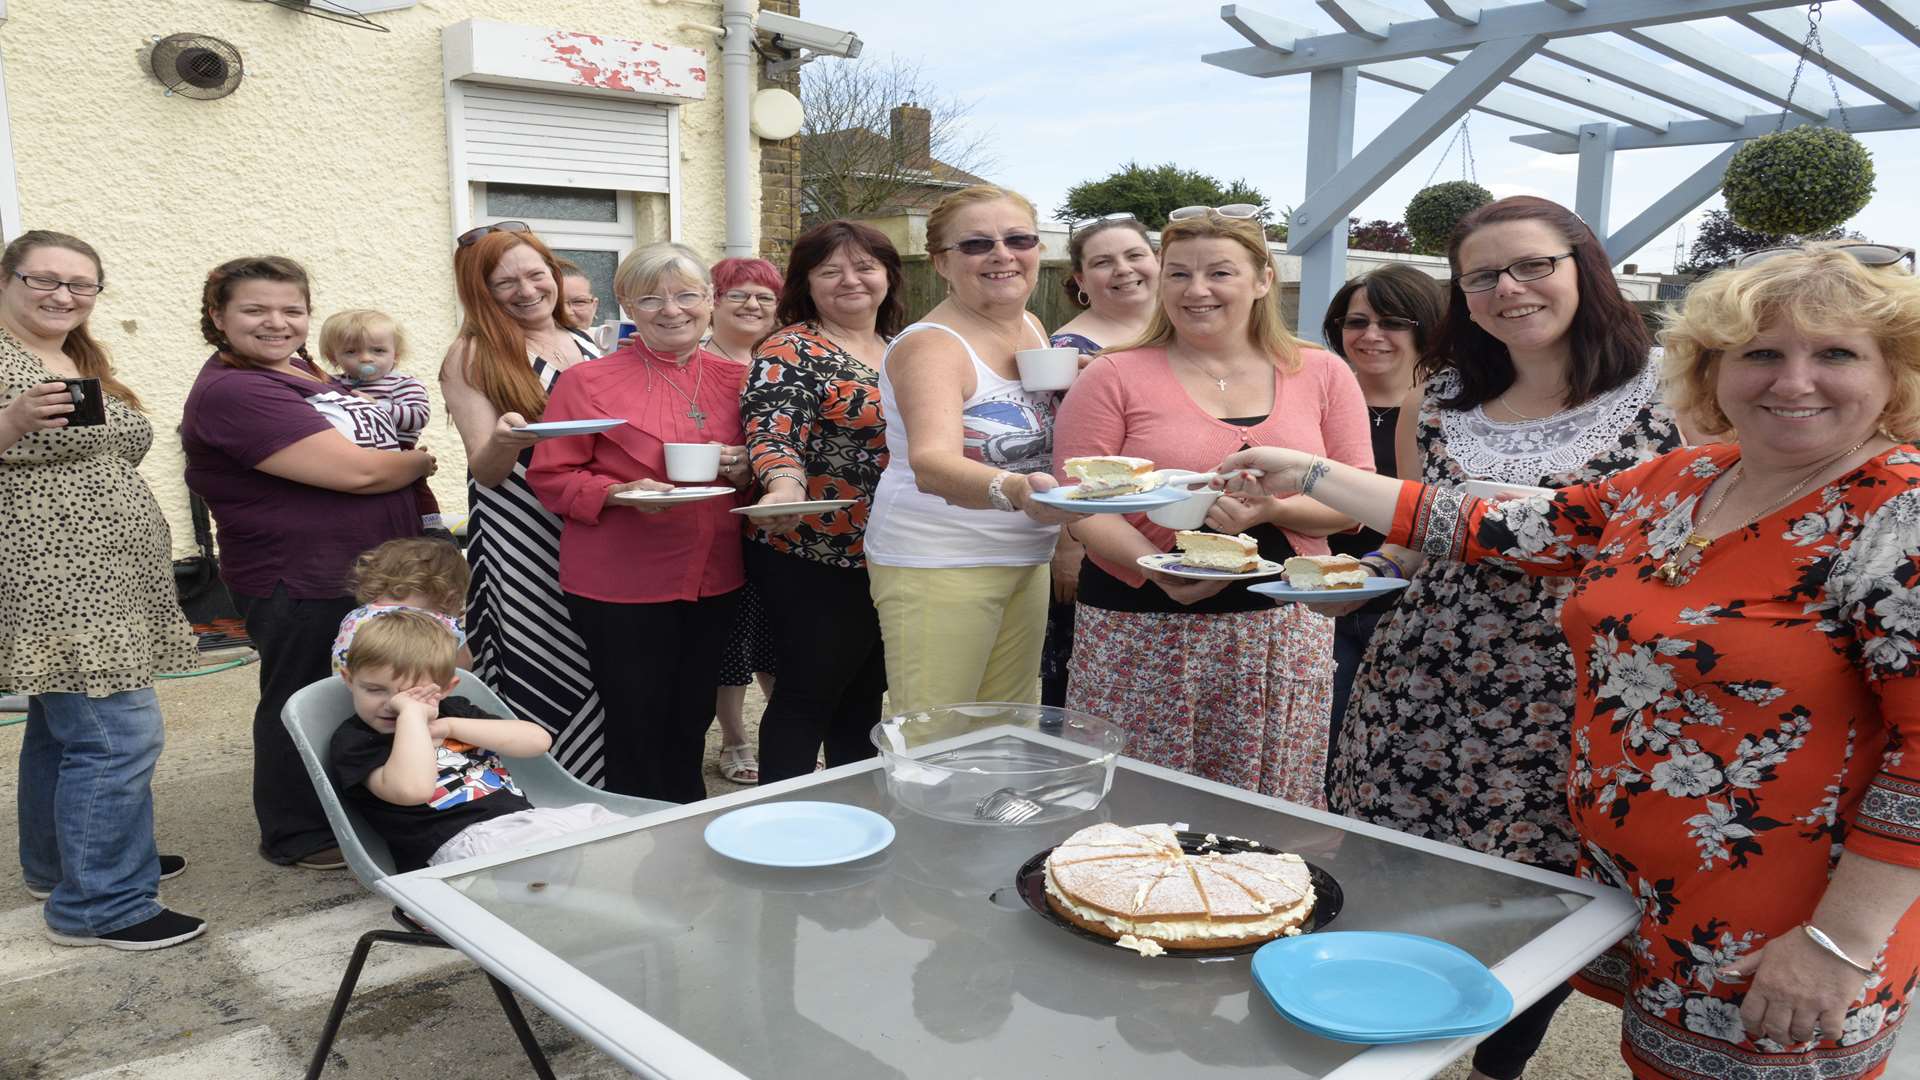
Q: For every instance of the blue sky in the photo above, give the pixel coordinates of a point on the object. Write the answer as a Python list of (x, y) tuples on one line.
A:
[(1068, 90)]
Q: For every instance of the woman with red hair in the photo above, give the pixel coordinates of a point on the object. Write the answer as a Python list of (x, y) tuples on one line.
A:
[(516, 337)]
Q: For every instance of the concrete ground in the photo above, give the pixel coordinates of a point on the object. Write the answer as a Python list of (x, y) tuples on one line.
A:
[(249, 998)]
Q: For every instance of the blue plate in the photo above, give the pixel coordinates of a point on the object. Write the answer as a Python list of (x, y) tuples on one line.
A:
[(1120, 504), (1370, 588), (552, 428), (799, 834), (1370, 987)]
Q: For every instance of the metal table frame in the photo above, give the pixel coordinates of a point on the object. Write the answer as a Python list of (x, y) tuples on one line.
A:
[(651, 1049)]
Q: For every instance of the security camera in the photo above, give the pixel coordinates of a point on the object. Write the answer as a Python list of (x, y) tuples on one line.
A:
[(787, 32)]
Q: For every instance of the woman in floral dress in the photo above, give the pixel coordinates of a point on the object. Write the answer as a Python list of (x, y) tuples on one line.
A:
[(1744, 626), (1456, 727)]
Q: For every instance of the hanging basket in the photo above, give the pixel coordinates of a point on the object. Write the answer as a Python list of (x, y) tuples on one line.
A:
[(1435, 210), (1804, 180)]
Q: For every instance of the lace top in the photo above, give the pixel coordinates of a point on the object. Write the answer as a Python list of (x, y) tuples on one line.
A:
[(1524, 451)]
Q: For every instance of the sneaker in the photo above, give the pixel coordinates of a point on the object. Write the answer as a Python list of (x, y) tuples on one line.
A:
[(171, 866), (327, 858), (165, 929)]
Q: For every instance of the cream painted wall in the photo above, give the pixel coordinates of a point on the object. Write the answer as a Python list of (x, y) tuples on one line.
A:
[(332, 151)]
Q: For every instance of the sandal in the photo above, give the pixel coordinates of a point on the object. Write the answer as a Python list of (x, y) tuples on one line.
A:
[(738, 765)]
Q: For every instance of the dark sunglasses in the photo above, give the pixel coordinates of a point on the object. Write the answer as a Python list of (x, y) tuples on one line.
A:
[(472, 236), (1389, 323), (980, 245), (1866, 254)]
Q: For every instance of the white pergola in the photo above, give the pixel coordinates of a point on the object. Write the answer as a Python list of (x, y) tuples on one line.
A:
[(1556, 66)]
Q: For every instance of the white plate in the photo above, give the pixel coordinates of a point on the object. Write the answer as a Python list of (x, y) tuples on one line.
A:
[(799, 834), (1170, 563), (1061, 498), (816, 506), (549, 429), (1487, 489), (670, 498), (1285, 593)]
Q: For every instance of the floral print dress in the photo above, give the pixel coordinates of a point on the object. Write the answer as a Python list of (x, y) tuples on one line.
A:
[(1456, 728), (1733, 735)]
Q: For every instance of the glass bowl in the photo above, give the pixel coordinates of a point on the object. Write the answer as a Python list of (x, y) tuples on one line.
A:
[(943, 762)]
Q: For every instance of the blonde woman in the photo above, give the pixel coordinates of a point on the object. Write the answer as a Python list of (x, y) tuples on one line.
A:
[(957, 550), (1207, 677)]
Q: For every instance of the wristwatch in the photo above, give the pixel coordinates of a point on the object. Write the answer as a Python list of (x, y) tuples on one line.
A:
[(996, 492)]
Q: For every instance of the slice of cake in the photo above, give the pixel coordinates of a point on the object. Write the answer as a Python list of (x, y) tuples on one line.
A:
[(1325, 572), (1105, 477), (1150, 895), (1237, 554)]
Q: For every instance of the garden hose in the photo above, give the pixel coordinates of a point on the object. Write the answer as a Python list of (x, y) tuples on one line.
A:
[(251, 657)]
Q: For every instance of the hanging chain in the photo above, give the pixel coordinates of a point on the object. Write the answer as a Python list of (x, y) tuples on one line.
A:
[(1466, 154), (1811, 46)]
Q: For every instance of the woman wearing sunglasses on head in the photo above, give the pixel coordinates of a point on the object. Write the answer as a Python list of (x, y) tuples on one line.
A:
[(516, 337), (957, 548), (1744, 630), (1113, 270), (1456, 728), (1379, 324), (1207, 677)]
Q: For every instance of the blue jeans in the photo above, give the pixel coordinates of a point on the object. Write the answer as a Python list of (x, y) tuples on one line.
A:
[(86, 808)]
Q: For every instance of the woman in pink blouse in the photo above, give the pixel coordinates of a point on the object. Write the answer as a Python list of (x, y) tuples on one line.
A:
[(1209, 678), (652, 589)]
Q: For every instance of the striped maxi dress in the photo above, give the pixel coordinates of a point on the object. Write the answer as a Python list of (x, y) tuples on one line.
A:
[(524, 646)]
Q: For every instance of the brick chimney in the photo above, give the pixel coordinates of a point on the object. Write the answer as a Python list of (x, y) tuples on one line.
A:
[(913, 136)]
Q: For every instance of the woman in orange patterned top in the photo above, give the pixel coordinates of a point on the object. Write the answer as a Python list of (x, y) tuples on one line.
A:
[(814, 432), (1746, 633)]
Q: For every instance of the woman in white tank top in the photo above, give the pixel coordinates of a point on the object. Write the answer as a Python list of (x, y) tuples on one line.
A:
[(957, 552)]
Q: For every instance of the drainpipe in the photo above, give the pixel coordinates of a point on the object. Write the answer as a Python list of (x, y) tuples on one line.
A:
[(736, 90)]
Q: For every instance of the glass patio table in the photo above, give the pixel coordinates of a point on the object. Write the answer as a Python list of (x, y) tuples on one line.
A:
[(923, 962)]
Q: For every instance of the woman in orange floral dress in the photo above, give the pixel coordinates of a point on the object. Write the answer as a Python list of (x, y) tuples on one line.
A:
[(1745, 625)]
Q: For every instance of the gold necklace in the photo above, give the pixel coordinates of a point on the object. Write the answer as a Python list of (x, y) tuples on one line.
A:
[(1679, 567)]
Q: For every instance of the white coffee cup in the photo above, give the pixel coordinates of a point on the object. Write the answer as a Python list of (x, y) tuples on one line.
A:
[(693, 462), (1047, 369), (1188, 513)]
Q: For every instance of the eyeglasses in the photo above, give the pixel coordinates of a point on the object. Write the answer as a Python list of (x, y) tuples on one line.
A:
[(1387, 323), (741, 296), (1525, 270), (38, 283), (687, 299), (1239, 211), (1091, 222), (1867, 254), (980, 245), (472, 236)]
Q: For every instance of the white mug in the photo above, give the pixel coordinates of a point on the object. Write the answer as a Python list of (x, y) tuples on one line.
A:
[(1188, 513), (693, 462), (1047, 369)]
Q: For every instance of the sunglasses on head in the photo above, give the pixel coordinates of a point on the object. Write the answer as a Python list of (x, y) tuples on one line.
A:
[(1237, 211), (472, 236), (980, 245), (1389, 323), (1091, 222), (1867, 254)]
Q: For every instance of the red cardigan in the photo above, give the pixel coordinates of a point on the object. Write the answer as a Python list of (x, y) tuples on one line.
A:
[(619, 555)]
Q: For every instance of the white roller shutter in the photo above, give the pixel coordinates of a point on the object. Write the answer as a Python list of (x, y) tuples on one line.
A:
[(510, 135)]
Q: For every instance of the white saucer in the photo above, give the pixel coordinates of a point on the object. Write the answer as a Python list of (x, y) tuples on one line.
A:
[(815, 506), (670, 498), (550, 429), (1169, 563)]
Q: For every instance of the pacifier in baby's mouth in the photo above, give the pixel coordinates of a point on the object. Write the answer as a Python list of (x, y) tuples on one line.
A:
[(369, 371)]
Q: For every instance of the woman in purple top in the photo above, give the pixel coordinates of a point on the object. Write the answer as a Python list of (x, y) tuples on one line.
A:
[(302, 476)]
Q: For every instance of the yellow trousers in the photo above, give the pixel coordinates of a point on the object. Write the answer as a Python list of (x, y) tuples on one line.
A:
[(953, 634)]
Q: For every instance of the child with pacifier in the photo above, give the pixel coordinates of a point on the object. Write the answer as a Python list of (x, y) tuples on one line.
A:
[(365, 346)]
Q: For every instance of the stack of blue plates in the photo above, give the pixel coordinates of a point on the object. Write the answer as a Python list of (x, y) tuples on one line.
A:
[(1368, 987)]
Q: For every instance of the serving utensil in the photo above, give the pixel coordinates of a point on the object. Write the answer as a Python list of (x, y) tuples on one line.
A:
[(1188, 478), (1011, 807)]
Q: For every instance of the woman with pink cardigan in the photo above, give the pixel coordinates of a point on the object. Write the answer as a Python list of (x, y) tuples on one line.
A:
[(1207, 677)]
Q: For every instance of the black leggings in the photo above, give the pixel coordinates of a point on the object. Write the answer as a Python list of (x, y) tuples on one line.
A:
[(295, 640), (655, 666), (1505, 1053), (829, 668)]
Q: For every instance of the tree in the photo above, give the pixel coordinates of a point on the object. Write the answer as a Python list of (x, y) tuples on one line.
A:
[(851, 162), (1379, 235), (1150, 194), (1720, 240)]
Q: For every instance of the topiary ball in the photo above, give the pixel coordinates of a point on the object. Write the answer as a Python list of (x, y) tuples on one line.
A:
[(1435, 210), (1806, 180)]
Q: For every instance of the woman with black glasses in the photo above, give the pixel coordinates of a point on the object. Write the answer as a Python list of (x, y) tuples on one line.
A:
[(1379, 324), (515, 338), (957, 550), (1457, 730)]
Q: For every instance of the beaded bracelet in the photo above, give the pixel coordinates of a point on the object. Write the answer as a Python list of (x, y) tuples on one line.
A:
[(1398, 570), (996, 492)]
